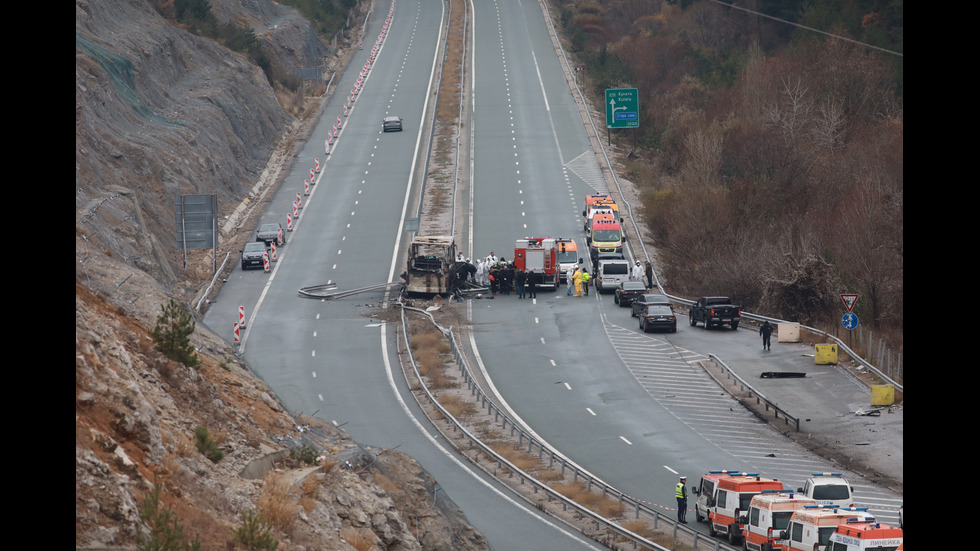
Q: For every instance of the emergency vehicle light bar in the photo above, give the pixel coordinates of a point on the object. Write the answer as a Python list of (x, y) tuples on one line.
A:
[(826, 474), (728, 471)]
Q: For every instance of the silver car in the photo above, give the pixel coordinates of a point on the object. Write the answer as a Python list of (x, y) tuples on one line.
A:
[(391, 124)]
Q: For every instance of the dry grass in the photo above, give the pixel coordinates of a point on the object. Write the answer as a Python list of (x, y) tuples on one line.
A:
[(277, 503), (594, 501), (308, 492), (517, 456), (457, 406), (360, 539)]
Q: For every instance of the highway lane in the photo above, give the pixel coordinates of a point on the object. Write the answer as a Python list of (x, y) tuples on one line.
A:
[(566, 366), (329, 357)]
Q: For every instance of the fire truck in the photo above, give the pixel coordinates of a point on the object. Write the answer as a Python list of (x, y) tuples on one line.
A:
[(538, 257)]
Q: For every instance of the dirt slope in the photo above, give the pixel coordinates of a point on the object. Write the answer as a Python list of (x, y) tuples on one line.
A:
[(161, 112)]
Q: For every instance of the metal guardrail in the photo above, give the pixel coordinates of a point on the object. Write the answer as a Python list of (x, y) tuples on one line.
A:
[(760, 399), (554, 458)]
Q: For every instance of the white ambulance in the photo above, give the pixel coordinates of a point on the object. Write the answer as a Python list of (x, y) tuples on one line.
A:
[(768, 515), (857, 535), (729, 500), (810, 528)]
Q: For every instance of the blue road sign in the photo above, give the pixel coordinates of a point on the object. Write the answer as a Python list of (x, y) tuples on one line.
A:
[(850, 320)]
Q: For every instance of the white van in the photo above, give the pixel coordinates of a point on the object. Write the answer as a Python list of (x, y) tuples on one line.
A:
[(610, 272), (828, 489)]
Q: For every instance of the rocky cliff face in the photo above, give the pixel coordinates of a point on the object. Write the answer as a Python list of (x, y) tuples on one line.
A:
[(161, 112)]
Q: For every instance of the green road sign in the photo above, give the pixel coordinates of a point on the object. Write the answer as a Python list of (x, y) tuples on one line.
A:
[(622, 108)]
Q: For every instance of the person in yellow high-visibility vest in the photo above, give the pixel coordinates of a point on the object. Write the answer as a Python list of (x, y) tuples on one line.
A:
[(680, 492), (585, 282)]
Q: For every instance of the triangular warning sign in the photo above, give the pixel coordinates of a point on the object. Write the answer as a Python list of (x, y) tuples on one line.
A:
[(849, 301)]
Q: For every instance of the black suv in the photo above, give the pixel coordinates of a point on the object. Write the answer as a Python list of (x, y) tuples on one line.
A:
[(253, 255), (269, 233), (627, 292)]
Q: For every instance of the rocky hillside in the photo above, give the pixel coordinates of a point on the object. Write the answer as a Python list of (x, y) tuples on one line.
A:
[(161, 112)]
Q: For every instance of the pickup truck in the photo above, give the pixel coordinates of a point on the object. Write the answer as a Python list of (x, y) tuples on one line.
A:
[(715, 311)]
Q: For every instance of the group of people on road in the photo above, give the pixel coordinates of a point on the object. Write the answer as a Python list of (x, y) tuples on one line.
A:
[(501, 276), (578, 278)]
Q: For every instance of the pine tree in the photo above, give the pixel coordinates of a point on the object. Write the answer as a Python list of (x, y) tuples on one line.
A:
[(172, 334), (166, 534)]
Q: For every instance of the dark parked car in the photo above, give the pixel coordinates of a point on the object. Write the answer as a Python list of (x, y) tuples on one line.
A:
[(269, 233), (390, 124), (628, 291), (656, 316), (640, 302), (253, 255)]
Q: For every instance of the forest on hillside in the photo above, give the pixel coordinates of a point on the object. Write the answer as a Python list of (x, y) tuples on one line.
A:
[(770, 146)]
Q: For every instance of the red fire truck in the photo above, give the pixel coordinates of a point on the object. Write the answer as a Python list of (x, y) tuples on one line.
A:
[(538, 257)]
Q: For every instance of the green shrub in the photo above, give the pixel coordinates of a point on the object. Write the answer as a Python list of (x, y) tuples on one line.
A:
[(207, 446), (254, 532)]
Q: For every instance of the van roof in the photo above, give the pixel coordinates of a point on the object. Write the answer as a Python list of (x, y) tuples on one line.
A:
[(749, 483), (781, 500), (597, 197), (828, 516), (597, 221), (862, 529)]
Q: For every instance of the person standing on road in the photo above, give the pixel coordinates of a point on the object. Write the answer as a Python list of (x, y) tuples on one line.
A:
[(529, 278), (577, 278), (766, 331), (680, 492), (585, 281), (649, 273), (519, 278), (637, 273)]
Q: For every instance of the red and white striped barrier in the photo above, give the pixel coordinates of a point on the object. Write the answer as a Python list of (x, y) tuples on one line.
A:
[(299, 199), (241, 316), (316, 166), (265, 262), (289, 222), (273, 256), (280, 237), (340, 123), (326, 147), (306, 187), (238, 339), (295, 210)]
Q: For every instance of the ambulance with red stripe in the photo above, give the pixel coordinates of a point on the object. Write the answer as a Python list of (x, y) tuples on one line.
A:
[(729, 501), (811, 527), (860, 535), (768, 515)]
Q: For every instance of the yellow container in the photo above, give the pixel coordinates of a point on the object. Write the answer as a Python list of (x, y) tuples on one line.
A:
[(825, 354), (882, 395)]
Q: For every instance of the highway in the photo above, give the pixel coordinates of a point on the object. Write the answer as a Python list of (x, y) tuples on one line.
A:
[(576, 370)]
